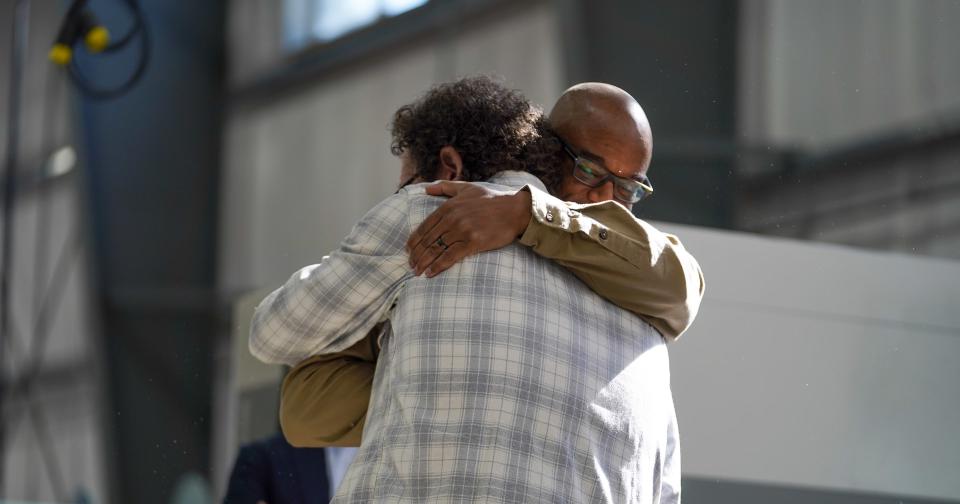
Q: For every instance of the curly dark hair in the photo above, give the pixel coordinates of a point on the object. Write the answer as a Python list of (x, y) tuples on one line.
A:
[(545, 158), (493, 128)]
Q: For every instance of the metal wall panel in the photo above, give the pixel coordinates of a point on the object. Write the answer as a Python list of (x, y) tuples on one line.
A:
[(821, 367)]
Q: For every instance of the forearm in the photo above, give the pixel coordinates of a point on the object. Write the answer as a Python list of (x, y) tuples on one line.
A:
[(622, 258), (329, 306), (324, 399), (660, 295), (288, 325)]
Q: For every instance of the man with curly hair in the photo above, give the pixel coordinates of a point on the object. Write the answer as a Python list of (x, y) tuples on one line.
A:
[(502, 379)]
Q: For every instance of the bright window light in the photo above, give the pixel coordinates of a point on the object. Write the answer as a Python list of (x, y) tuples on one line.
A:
[(337, 18), (296, 32), (394, 7), (305, 21)]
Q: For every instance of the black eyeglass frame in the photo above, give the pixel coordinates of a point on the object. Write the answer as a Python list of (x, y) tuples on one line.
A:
[(645, 183)]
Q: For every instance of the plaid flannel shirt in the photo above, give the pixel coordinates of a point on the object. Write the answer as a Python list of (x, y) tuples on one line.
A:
[(504, 379)]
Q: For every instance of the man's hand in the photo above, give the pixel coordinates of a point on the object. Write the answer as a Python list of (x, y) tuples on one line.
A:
[(473, 220)]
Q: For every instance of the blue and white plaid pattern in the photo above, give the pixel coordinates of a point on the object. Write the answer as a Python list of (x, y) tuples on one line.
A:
[(504, 379)]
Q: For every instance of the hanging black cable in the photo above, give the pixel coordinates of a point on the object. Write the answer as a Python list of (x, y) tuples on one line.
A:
[(138, 24), (139, 28)]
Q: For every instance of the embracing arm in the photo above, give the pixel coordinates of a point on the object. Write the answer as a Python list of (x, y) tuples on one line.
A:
[(622, 258), (317, 322), (328, 307), (324, 399)]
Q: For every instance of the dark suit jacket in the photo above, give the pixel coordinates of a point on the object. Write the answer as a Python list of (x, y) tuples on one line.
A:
[(272, 471)]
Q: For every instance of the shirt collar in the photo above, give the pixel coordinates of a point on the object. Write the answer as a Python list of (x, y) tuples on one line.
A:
[(517, 179)]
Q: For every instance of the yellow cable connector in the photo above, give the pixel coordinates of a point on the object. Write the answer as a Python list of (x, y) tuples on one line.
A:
[(60, 54), (97, 39)]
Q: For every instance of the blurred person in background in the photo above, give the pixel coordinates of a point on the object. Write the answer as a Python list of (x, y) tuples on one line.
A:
[(271, 471), (326, 308)]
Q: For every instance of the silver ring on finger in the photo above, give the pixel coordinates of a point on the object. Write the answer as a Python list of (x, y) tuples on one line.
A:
[(441, 244)]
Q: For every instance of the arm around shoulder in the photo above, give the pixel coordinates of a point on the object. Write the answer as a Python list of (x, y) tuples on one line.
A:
[(622, 258)]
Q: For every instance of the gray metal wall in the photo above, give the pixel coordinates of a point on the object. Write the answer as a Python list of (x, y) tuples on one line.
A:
[(678, 58), (865, 99), (822, 72), (818, 370)]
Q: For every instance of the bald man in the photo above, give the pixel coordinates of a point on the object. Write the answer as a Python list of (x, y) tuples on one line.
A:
[(607, 137)]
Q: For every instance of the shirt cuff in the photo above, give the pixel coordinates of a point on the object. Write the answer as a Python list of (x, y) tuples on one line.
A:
[(547, 210), (548, 213)]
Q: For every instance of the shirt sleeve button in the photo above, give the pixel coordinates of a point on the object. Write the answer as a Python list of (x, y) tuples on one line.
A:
[(603, 234)]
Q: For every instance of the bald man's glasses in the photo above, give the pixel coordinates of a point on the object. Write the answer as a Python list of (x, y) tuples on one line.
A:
[(591, 173)]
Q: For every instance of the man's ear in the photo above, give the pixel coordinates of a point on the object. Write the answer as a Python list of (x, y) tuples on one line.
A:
[(451, 164)]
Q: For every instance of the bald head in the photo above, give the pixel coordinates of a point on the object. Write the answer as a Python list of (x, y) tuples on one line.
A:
[(608, 111), (605, 124)]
